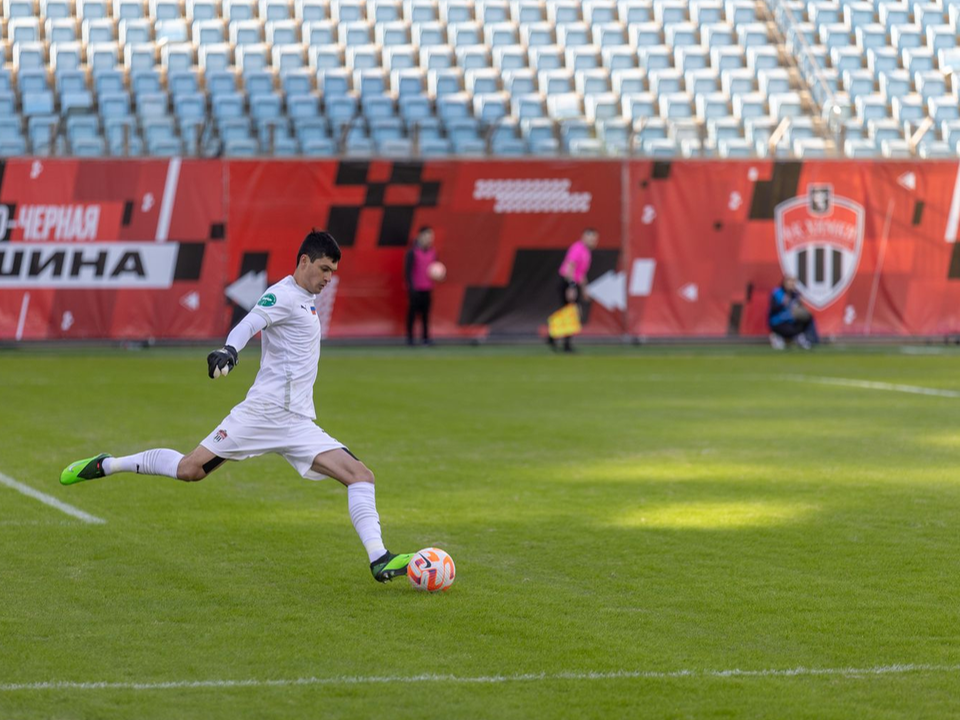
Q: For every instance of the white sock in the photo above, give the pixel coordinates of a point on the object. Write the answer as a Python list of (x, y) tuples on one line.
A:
[(362, 503), (148, 462)]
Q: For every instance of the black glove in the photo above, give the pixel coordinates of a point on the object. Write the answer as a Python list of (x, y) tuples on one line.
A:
[(222, 361)]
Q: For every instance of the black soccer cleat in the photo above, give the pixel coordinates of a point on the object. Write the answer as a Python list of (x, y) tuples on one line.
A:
[(388, 566)]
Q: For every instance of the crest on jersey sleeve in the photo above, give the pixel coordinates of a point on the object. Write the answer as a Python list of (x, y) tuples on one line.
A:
[(268, 300), (819, 240)]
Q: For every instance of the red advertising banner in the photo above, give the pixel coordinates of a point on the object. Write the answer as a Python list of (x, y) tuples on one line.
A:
[(501, 229), (181, 249), (872, 246), (111, 249)]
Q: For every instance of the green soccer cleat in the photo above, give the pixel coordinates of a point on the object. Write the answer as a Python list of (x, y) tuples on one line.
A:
[(81, 470), (389, 566)]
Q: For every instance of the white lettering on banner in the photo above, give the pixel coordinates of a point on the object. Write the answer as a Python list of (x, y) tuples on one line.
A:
[(87, 266), (58, 223), (532, 196), (841, 233)]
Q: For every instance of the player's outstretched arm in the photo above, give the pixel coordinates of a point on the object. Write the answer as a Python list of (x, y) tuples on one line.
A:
[(222, 361)]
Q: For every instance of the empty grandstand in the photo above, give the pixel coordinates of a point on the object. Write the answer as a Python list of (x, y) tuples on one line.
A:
[(432, 78)]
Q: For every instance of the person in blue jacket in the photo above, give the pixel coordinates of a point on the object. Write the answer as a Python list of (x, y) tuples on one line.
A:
[(789, 318)]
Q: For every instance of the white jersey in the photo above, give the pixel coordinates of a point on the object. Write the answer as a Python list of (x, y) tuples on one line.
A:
[(290, 349)]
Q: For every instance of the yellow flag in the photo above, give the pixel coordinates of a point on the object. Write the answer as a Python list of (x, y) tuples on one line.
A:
[(564, 322)]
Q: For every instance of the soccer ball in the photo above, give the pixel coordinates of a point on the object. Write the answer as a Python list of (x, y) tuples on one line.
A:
[(437, 271), (432, 570)]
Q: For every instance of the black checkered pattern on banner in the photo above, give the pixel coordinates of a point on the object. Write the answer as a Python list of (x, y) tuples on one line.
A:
[(395, 226)]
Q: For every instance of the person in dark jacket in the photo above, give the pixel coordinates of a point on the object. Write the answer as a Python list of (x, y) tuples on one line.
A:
[(789, 318), (419, 283)]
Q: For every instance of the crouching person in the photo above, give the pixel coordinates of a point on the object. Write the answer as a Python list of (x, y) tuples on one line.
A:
[(789, 319)]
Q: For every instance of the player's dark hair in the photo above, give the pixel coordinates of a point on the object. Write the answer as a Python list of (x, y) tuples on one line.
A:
[(318, 244), (590, 230), (423, 229)]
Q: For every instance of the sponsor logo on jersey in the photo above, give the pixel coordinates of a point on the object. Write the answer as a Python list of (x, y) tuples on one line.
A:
[(819, 241), (268, 300)]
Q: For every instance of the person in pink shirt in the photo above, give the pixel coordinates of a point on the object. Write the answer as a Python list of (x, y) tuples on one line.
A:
[(419, 285), (573, 274)]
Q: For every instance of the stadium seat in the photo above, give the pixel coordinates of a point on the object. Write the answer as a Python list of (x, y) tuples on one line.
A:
[(895, 149), (615, 134), (723, 128), (241, 147), (908, 108), (936, 151), (42, 132), (435, 147)]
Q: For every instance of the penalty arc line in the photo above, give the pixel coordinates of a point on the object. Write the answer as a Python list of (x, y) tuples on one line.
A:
[(50, 500), (898, 669)]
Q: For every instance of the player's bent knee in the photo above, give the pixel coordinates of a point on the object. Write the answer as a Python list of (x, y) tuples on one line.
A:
[(360, 475), (190, 472)]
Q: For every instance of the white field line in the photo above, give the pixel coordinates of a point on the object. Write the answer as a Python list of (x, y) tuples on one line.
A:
[(922, 350), (754, 377), (169, 196), (50, 500), (872, 385), (486, 679)]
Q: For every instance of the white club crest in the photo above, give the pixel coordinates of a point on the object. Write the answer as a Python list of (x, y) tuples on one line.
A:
[(819, 240)]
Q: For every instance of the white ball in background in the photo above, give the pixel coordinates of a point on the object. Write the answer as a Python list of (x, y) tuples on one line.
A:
[(437, 271)]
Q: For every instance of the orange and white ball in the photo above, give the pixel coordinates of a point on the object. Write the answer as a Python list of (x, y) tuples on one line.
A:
[(431, 570), (437, 271)]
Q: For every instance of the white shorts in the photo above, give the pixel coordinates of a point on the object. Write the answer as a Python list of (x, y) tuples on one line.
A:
[(251, 431)]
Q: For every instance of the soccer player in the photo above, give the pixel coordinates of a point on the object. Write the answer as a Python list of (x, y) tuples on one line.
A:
[(277, 415)]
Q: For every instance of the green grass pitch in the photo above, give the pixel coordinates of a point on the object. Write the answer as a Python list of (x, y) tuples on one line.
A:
[(629, 525)]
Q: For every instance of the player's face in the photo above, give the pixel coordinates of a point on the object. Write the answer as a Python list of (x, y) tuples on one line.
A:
[(318, 273), (590, 239), (789, 284)]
